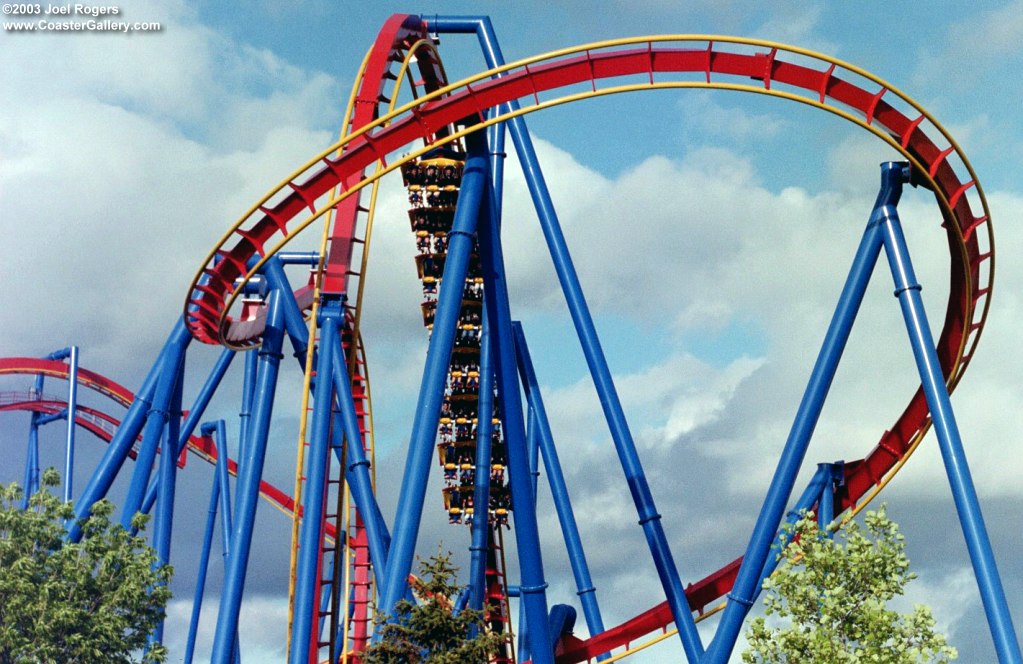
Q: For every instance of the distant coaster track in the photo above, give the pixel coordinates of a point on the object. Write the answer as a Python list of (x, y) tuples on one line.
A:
[(102, 424), (611, 67)]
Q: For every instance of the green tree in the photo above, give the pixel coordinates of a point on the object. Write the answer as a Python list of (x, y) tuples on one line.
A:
[(428, 631), (92, 601), (833, 595)]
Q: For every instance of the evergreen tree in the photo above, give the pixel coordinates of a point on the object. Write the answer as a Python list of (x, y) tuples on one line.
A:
[(831, 595), (429, 631), (96, 600)]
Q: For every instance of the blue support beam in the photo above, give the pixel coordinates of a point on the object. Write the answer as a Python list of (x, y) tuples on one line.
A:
[(310, 554), (475, 178), (126, 435), (480, 529), (649, 518), (907, 290), (533, 587), (72, 405), (747, 583), (248, 484), (559, 489)]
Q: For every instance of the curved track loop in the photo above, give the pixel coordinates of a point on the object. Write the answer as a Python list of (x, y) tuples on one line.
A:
[(631, 65), (104, 425)]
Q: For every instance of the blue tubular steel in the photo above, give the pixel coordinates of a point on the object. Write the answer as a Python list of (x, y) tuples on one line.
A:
[(484, 459), (806, 500), (431, 392), (224, 479), (156, 421), (649, 518), (204, 563), (248, 484), (907, 290), (357, 473), (310, 544), (559, 490), (195, 413), (746, 584), (72, 405), (167, 471), (248, 392), (532, 446), (294, 322), (826, 499), (527, 536), (123, 440)]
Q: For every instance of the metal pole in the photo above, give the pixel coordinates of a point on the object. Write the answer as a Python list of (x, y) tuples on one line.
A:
[(357, 473), (907, 290), (195, 414), (527, 535), (126, 435), (248, 485), (310, 544), (559, 490), (764, 532), (72, 405), (431, 393), (484, 460), (204, 561), (648, 516), (156, 421)]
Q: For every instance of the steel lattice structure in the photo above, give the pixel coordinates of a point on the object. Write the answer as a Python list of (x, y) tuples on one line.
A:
[(470, 409)]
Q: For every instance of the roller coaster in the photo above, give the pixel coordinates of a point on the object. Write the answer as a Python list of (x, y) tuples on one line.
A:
[(448, 145)]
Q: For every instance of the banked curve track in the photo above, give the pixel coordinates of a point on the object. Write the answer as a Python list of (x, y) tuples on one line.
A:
[(623, 66)]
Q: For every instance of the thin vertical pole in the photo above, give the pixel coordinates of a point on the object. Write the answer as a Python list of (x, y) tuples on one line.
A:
[(248, 392), (527, 535), (204, 562), (431, 392), (907, 290), (484, 460), (248, 484), (310, 553), (123, 440), (72, 406), (559, 489), (163, 525), (747, 581)]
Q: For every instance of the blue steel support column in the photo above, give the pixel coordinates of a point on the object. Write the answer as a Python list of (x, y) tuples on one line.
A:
[(806, 500), (907, 289), (32, 462), (431, 392), (826, 499), (195, 414), (484, 459), (559, 490), (156, 421), (527, 535), (649, 518), (294, 322), (357, 473), (127, 433), (248, 393), (747, 581), (248, 485), (72, 405), (310, 544), (204, 563)]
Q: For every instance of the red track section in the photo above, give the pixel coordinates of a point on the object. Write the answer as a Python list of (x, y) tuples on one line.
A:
[(104, 425), (206, 302)]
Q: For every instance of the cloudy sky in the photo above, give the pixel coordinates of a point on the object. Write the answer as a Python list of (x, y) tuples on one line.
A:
[(712, 233)]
